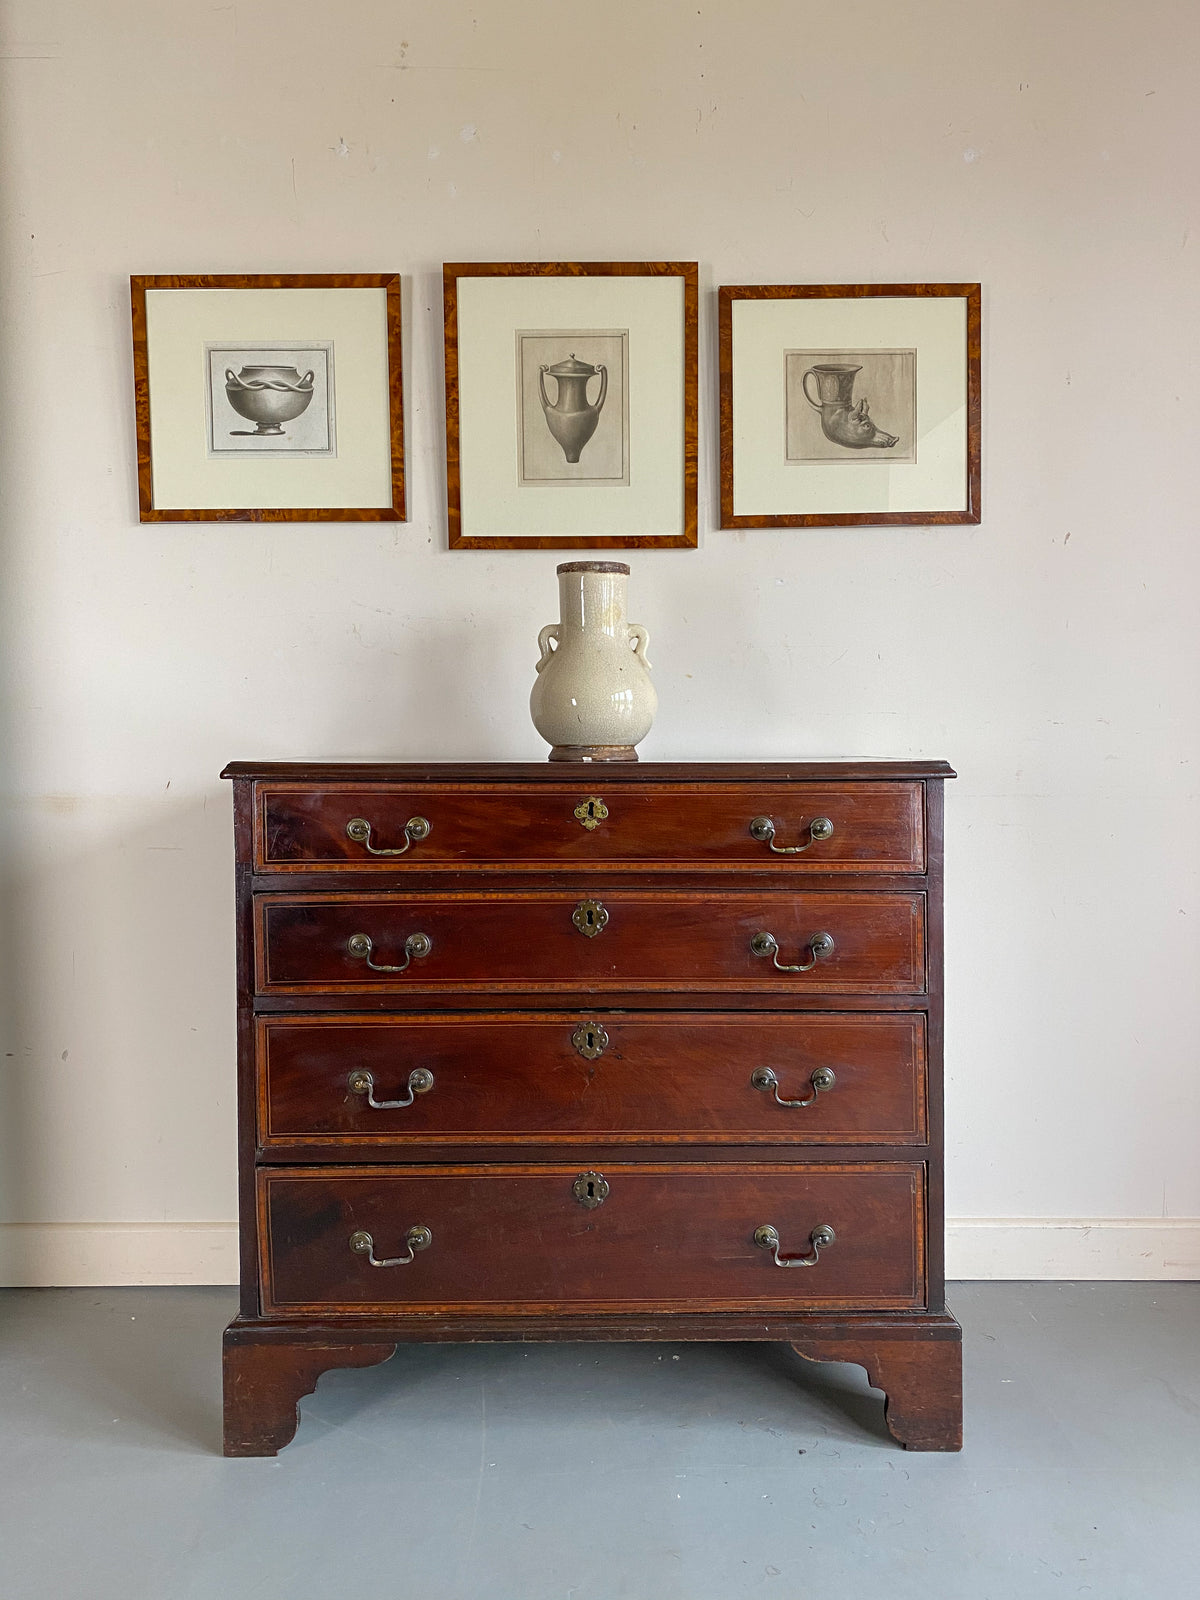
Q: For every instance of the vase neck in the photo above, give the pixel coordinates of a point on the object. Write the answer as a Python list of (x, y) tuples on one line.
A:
[(593, 602)]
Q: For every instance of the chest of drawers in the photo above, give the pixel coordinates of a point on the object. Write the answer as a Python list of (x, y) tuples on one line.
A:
[(590, 1052)]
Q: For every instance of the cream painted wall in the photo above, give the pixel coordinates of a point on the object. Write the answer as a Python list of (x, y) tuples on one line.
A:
[(1051, 653)]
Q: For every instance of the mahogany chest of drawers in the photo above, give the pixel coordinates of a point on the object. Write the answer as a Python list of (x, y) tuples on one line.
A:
[(590, 1052)]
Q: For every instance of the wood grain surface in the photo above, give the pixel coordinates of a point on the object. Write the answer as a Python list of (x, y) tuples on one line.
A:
[(518, 1078), (515, 1237)]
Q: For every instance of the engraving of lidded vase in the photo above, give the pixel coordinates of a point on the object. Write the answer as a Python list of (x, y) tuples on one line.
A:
[(593, 699), (571, 419)]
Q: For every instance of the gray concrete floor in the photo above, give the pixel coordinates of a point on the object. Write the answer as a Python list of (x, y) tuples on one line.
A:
[(577, 1472)]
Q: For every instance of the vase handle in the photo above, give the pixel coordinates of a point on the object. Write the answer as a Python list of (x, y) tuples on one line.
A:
[(546, 406), (640, 639), (815, 404), (550, 631), (309, 378), (232, 377), (598, 403)]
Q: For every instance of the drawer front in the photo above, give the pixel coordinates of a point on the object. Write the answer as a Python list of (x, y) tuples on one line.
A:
[(679, 1237), (876, 827), (669, 940), (585, 1077)]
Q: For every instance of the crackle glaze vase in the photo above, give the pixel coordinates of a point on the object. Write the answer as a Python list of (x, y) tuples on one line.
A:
[(593, 699)]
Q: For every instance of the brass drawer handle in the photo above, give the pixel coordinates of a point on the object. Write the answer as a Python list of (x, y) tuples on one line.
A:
[(420, 1081), (417, 1238), (360, 946), (819, 829), (823, 1078), (821, 1238), (415, 829), (766, 944)]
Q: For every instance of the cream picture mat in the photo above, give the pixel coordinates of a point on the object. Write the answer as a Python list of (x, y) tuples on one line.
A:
[(765, 483), (494, 504), (180, 322)]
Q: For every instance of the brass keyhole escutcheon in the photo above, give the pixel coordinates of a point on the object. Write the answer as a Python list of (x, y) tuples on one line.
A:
[(590, 1039), (590, 1189), (591, 812), (590, 917)]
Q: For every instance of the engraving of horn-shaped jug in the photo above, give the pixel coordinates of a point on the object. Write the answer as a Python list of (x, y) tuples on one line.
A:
[(571, 419), (843, 422)]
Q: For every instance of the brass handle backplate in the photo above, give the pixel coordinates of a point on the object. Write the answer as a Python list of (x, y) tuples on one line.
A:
[(590, 917), (416, 947), (819, 829), (821, 946), (822, 1078), (418, 1238), (420, 1081), (821, 1238), (415, 829)]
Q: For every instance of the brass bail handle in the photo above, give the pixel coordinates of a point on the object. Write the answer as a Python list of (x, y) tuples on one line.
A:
[(821, 1238), (821, 1080), (819, 829), (415, 829), (821, 945), (416, 947), (420, 1081), (417, 1238)]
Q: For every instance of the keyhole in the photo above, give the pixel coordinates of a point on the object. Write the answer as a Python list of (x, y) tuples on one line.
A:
[(591, 1189), (590, 917), (590, 1038)]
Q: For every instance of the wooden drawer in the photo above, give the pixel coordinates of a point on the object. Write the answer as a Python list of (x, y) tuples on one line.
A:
[(521, 1078), (670, 1237), (877, 827), (529, 941)]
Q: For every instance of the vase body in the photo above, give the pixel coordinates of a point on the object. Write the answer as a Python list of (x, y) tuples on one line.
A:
[(571, 419), (593, 699), (268, 396), (843, 422)]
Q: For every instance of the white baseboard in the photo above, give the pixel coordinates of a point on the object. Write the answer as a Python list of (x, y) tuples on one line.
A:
[(1118, 1248), (96, 1254)]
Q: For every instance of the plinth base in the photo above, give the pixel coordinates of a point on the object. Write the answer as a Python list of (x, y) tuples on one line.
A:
[(593, 752), (915, 1358)]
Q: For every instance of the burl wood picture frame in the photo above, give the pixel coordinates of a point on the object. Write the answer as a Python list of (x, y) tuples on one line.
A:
[(571, 405), (849, 405), (269, 397)]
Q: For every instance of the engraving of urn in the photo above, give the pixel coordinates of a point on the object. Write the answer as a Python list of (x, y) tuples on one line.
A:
[(843, 422), (593, 699), (571, 419), (268, 396)]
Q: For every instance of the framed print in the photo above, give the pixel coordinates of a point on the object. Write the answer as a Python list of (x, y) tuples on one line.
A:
[(570, 405), (269, 399), (850, 405)]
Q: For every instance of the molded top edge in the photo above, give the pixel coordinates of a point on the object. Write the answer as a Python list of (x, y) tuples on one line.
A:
[(588, 773)]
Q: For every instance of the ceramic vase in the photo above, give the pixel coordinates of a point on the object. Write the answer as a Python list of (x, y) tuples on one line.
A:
[(593, 699)]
